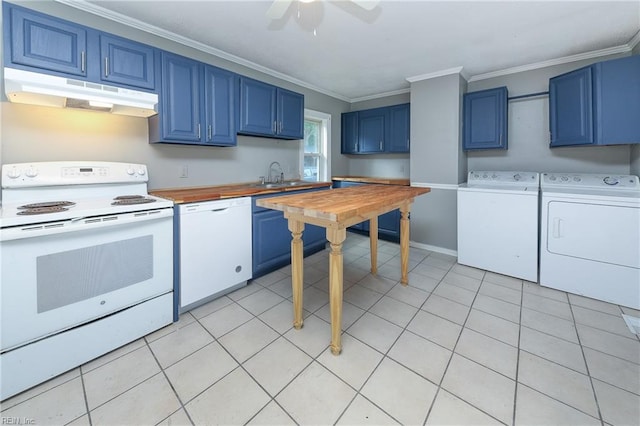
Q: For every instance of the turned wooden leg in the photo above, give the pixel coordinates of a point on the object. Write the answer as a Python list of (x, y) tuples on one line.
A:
[(404, 244), (297, 271), (373, 243), (336, 237)]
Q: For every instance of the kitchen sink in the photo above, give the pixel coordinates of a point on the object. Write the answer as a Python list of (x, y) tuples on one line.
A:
[(281, 185)]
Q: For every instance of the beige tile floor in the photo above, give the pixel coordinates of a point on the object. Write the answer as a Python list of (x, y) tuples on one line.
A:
[(458, 346)]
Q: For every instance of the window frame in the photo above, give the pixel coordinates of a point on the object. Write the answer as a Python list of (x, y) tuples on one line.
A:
[(324, 156)]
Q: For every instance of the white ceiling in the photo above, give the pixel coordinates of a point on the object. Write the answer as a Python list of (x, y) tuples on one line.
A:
[(357, 54)]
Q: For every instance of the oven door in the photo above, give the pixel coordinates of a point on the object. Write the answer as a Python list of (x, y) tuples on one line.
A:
[(58, 275)]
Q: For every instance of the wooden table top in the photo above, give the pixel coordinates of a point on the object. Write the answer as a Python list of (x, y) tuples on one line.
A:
[(342, 204)]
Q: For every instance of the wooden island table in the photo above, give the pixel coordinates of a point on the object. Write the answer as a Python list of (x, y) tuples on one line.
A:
[(336, 210)]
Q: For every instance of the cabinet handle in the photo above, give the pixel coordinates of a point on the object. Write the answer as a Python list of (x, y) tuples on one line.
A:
[(210, 132), (280, 127), (106, 66), (82, 61), (198, 130), (407, 143), (500, 140), (273, 127), (380, 145)]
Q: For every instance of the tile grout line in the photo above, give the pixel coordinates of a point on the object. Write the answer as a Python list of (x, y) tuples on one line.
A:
[(586, 364), (515, 391), (84, 394)]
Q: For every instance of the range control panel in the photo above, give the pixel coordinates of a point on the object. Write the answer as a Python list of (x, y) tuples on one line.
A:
[(56, 173), (591, 181), (502, 178)]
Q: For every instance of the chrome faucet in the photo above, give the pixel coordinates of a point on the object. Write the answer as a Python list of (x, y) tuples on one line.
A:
[(278, 178)]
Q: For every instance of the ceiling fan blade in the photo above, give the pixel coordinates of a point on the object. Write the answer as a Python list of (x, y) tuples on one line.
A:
[(366, 4), (278, 9)]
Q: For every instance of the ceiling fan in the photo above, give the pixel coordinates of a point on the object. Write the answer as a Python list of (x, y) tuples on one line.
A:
[(279, 7)]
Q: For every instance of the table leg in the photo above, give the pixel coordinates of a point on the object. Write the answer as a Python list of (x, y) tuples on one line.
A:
[(373, 243), (297, 272), (336, 237), (404, 244)]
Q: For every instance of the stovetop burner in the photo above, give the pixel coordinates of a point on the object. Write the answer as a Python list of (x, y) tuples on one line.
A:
[(42, 210), (47, 204)]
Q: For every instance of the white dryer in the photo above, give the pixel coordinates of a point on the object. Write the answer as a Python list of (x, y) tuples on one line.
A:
[(590, 236), (498, 222)]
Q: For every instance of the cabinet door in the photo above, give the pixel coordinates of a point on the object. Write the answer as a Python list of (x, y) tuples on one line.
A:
[(399, 122), (571, 108), (349, 141), (371, 130), (180, 99), (219, 94), (617, 101), (485, 119), (389, 225), (47, 43), (127, 62), (271, 242), (257, 107), (290, 115)]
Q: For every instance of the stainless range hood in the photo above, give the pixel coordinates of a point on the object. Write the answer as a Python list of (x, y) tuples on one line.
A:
[(47, 90)]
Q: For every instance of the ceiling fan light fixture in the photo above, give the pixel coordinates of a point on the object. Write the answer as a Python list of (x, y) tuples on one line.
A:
[(306, 1)]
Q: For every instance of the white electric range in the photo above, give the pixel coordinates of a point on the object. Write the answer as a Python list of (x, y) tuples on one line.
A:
[(87, 265)]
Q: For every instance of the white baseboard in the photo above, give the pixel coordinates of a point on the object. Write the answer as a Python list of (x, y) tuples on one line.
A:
[(433, 248)]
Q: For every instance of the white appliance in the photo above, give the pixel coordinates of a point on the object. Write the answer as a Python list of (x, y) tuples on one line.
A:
[(28, 87), (498, 222), (590, 236), (215, 249), (87, 266)]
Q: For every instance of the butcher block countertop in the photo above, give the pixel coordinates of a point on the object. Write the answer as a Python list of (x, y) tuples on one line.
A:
[(381, 180), (208, 193), (350, 205)]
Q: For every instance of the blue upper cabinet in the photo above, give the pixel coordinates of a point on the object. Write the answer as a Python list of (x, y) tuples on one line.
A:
[(372, 130), (127, 62), (49, 44), (596, 105), (485, 119), (376, 131), (267, 110), (570, 108), (220, 106), (290, 116), (399, 128), (349, 132), (197, 104), (257, 107), (180, 99), (617, 101)]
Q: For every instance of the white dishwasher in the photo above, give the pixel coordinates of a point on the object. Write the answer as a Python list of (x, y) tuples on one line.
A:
[(214, 249)]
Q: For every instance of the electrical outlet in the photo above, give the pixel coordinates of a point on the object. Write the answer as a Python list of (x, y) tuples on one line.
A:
[(185, 171)]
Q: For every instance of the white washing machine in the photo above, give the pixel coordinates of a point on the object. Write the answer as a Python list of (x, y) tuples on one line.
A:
[(498, 222), (590, 236)]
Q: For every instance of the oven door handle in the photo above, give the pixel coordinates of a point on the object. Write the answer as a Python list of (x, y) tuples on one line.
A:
[(81, 224)]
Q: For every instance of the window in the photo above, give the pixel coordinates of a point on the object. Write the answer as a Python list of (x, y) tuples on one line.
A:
[(315, 147)]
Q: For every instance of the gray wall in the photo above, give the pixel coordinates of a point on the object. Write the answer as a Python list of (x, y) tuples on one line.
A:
[(31, 133), (529, 131)]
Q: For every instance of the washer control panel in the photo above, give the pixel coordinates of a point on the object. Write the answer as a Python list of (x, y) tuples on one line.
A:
[(594, 181), (502, 178)]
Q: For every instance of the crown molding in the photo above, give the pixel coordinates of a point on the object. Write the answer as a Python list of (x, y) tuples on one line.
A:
[(135, 23), (558, 61), (635, 40), (382, 95), (455, 70)]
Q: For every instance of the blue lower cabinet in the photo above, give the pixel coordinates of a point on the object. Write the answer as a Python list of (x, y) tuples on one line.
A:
[(272, 239), (388, 223)]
